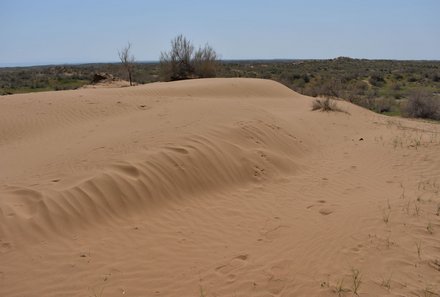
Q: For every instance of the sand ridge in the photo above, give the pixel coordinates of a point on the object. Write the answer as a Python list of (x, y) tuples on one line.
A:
[(213, 187)]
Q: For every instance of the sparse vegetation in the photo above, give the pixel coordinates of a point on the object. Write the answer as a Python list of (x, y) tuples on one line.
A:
[(67, 77), (406, 88)]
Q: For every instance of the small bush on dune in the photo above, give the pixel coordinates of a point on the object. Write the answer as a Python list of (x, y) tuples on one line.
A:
[(177, 63), (182, 62), (326, 104), (205, 62)]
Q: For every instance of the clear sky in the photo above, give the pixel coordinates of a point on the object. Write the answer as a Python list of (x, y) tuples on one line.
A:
[(76, 31)]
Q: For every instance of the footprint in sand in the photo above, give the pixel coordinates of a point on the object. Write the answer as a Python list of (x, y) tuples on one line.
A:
[(234, 264), (277, 277), (354, 249), (273, 229), (5, 246), (258, 171), (325, 211)]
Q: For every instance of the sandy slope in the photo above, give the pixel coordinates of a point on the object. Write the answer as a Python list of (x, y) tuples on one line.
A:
[(216, 187)]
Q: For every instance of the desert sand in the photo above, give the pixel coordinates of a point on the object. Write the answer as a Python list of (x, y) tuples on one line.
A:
[(214, 187)]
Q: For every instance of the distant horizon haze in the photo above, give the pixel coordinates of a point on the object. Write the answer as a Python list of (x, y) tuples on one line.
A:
[(64, 32), (43, 64)]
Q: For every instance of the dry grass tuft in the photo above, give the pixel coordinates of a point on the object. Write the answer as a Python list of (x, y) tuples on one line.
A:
[(419, 249), (326, 104), (386, 216), (386, 283), (357, 280)]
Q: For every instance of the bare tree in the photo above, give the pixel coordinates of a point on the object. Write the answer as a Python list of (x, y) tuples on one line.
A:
[(127, 60)]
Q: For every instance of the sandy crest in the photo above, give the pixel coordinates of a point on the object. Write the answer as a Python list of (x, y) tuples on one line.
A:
[(214, 187)]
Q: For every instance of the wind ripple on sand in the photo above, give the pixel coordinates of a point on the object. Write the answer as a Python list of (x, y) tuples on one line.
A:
[(165, 175)]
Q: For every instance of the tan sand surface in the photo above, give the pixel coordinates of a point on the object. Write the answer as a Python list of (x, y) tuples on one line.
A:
[(214, 187)]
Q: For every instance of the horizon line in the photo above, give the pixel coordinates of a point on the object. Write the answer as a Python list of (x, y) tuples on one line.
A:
[(49, 64)]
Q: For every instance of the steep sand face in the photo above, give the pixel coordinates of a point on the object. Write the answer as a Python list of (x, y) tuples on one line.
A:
[(214, 187)]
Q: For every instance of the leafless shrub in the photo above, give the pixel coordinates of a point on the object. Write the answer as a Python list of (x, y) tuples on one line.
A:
[(205, 62), (127, 60), (422, 104), (182, 62), (176, 64)]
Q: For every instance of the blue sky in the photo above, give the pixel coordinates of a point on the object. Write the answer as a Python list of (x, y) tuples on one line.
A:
[(76, 31)]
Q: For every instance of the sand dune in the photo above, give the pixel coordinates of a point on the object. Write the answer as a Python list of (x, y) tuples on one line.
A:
[(214, 187)]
